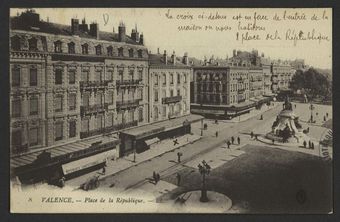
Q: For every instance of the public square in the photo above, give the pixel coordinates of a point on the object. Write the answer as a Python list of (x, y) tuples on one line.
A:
[(256, 176)]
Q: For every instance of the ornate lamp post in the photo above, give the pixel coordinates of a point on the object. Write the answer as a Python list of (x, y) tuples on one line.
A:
[(311, 107), (204, 170)]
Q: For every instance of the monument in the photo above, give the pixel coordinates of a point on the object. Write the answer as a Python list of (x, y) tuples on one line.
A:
[(286, 128)]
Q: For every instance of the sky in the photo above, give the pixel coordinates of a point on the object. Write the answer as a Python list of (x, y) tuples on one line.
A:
[(160, 27)]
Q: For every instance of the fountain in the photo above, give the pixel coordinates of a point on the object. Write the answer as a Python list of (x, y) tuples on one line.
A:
[(286, 128)]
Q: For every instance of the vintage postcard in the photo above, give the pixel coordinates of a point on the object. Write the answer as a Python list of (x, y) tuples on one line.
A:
[(171, 110)]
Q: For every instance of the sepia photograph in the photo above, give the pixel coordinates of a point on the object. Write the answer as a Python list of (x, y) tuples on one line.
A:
[(171, 110)]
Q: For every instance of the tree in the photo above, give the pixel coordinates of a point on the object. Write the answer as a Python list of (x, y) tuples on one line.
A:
[(312, 82)]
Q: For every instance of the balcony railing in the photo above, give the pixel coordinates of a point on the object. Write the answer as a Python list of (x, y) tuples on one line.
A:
[(94, 84), (240, 91), (172, 99), (127, 104), (97, 108), (108, 129), (17, 149), (128, 82)]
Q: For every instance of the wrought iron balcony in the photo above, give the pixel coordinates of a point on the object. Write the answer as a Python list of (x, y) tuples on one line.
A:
[(97, 108), (127, 104), (172, 99), (94, 84), (108, 129), (128, 82)]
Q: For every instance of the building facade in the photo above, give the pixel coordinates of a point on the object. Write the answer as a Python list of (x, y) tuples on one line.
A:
[(169, 86)]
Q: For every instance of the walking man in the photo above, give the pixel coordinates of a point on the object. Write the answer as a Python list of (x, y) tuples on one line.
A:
[(251, 134), (216, 133), (273, 141), (261, 118), (179, 156), (178, 177), (228, 144), (238, 140), (232, 140)]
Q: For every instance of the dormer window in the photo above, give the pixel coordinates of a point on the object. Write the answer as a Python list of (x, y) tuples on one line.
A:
[(15, 43), (130, 53), (57, 46), (71, 48), (32, 44), (85, 49), (120, 51), (140, 53), (110, 51), (98, 50)]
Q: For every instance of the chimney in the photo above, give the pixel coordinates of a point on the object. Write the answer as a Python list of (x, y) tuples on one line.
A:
[(186, 59), (173, 58), (83, 26), (74, 25), (165, 58), (157, 50), (94, 30), (30, 17), (234, 52), (141, 39), (121, 32)]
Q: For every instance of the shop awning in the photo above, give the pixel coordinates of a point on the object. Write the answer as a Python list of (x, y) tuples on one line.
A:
[(162, 126), (152, 141)]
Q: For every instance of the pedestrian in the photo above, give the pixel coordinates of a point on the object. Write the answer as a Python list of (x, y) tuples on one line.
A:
[(255, 136), (324, 118), (294, 105), (304, 143), (238, 140), (216, 133), (261, 118), (178, 176), (273, 141), (251, 134), (228, 143), (309, 144), (179, 157), (312, 146), (316, 113), (216, 121), (232, 140), (154, 176), (158, 177), (327, 114), (104, 170)]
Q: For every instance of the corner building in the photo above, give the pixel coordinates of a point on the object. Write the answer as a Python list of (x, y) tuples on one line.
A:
[(71, 88)]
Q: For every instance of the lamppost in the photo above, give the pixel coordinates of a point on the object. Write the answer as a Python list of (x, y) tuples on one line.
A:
[(311, 107), (204, 170), (201, 127)]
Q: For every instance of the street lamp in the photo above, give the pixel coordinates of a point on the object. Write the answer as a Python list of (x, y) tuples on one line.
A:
[(311, 107), (204, 170), (201, 127)]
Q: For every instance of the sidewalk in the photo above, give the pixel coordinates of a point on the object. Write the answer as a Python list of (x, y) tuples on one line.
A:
[(123, 163), (252, 113)]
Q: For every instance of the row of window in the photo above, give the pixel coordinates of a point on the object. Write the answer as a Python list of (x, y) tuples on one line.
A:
[(33, 107), (33, 46), (156, 96), (16, 76), (171, 79), (172, 110)]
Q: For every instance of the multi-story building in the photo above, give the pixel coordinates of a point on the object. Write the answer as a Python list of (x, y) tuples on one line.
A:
[(70, 83), (281, 73), (169, 86)]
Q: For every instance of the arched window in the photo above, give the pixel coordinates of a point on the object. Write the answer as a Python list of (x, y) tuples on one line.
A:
[(71, 48), (121, 51), (58, 46), (32, 44), (15, 43), (140, 53), (109, 51), (85, 49), (130, 53), (98, 50)]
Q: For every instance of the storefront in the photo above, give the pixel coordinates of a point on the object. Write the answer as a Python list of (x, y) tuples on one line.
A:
[(139, 139), (69, 160)]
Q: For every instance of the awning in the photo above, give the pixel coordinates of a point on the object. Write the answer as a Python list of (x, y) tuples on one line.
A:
[(152, 141), (87, 162), (162, 126)]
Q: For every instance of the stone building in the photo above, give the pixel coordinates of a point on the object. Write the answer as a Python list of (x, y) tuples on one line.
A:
[(169, 86), (71, 84), (282, 74)]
